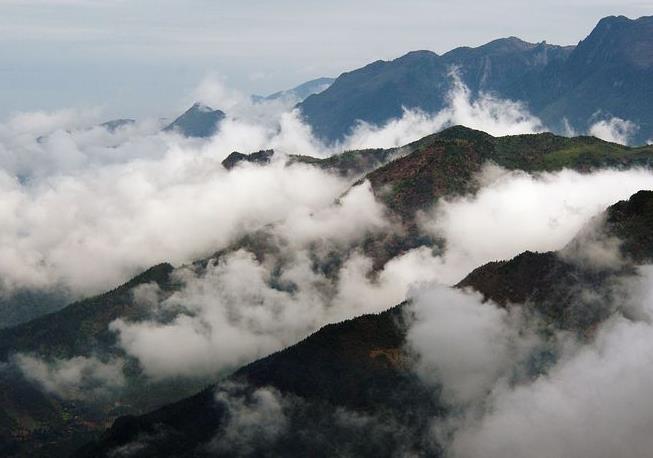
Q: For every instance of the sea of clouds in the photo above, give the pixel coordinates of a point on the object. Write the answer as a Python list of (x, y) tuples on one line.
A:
[(85, 208)]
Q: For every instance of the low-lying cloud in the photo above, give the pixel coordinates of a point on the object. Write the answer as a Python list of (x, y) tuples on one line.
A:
[(240, 309), (464, 343), (615, 130), (516, 211), (593, 400), (85, 207), (80, 377), (92, 231)]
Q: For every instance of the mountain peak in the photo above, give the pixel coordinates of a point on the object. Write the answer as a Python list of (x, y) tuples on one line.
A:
[(259, 157), (618, 40), (611, 21), (460, 132), (631, 220), (199, 121), (199, 106)]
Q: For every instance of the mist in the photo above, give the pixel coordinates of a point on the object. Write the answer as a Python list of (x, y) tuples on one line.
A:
[(78, 378), (243, 308), (558, 415), (515, 211), (592, 401), (135, 197), (74, 192)]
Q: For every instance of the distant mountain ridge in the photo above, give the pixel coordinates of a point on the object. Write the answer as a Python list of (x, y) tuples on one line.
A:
[(300, 92), (202, 121), (610, 73)]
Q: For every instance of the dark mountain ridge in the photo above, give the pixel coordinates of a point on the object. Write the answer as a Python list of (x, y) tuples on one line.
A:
[(406, 179), (361, 365)]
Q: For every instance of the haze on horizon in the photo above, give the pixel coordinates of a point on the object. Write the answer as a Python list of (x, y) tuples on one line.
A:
[(143, 57)]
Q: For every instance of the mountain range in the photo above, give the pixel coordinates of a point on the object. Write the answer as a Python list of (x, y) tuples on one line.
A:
[(353, 365), (202, 121), (608, 74), (70, 384), (362, 366), (569, 88)]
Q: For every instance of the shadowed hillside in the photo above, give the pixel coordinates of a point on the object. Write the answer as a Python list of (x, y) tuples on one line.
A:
[(361, 365)]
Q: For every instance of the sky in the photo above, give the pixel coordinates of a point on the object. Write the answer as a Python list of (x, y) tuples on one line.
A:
[(142, 58)]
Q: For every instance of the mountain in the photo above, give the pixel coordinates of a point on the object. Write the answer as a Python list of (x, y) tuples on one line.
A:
[(444, 163), (198, 121), (415, 176), (436, 166), (259, 157), (610, 73), (349, 389), (350, 164), (115, 124), (406, 179), (346, 373), (379, 91), (23, 305), (300, 92)]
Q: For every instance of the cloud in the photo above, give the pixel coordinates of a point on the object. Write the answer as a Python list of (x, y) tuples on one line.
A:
[(614, 130), (34, 146), (74, 192), (75, 378), (84, 209), (595, 402), (254, 419), (134, 215), (356, 214), (515, 211), (241, 309), (464, 343), (591, 400)]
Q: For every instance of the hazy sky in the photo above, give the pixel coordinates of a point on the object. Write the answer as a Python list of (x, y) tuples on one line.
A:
[(143, 57)]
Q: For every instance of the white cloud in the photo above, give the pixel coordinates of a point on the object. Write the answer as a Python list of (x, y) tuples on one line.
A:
[(95, 230), (596, 402), (75, 378), (73, 194), (255, 419), (463, 343), (614, 130), (516, 211), (234, 313)]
